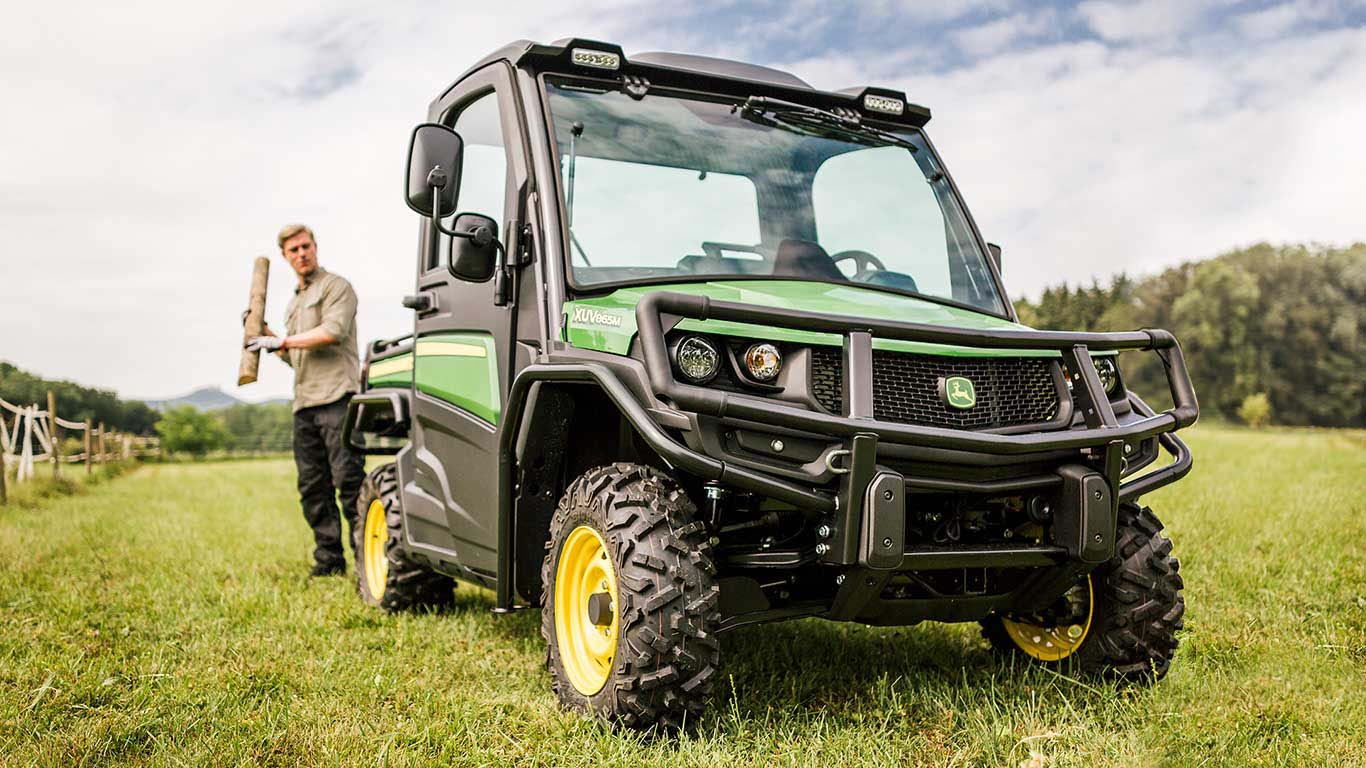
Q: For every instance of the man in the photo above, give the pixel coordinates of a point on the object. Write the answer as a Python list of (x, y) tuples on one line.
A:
[(321, 348)]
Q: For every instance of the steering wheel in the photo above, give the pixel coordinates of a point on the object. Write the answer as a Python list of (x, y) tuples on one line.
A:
[(863, 260)]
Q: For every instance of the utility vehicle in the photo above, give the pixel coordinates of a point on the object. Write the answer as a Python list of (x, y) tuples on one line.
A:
[(698, 346)]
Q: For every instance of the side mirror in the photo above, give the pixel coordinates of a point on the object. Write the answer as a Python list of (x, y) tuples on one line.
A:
[(995, 255), (435, 155), (474, 250)]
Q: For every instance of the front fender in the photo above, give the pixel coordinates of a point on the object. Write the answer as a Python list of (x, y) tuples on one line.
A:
[(384, 412)]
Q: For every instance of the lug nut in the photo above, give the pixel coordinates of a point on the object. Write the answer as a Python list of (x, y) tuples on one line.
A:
[(839, 579), (887, 543), (822, 548), (1074, 631), (887, 494), (824, 531), (777, 446)]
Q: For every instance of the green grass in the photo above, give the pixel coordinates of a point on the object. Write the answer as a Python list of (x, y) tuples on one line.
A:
[(71, 479), (164, 619)]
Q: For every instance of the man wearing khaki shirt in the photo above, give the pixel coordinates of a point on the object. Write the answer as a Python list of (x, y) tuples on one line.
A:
[(321, 348)]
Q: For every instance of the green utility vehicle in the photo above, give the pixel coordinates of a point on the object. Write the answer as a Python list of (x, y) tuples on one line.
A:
[(698, 346)]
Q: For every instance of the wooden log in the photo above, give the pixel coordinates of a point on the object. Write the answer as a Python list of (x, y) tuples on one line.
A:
[(256, 320), (52, 433), (89, 447)]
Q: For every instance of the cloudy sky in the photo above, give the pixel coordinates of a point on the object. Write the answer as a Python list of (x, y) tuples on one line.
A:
[(152, 149)]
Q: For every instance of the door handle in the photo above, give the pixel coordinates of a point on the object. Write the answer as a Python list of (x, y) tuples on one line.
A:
[(422, 302)]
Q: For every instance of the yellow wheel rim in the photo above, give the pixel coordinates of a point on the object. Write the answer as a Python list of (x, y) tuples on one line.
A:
[(1052, 643), (376, 537), (585, 621)]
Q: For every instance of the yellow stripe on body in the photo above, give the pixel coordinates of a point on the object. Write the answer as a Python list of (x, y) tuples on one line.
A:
[(386, 367), (450, 349)]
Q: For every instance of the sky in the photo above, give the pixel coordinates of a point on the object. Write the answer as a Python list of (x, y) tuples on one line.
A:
[(151, 150)]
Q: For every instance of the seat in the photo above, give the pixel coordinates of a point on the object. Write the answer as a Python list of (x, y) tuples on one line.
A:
[(803, 258)]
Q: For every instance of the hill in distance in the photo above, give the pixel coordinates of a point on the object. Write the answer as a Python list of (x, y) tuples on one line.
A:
[(204, 399)]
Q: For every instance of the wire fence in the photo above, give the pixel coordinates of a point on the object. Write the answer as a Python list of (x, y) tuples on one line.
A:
[(30, 435)]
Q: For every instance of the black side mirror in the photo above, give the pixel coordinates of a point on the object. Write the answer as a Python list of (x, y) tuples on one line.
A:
[(435, 155), (474, 249), (995, 255)]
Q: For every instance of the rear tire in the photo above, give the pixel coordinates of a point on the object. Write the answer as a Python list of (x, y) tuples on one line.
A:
[(1135, 610), (628, 534), (385, 577)]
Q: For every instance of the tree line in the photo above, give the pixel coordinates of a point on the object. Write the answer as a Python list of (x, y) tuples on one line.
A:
[(76, 402), (1279, 326), (245, 428)]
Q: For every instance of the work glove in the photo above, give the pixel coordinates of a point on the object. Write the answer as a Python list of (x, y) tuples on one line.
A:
[(264, 344)]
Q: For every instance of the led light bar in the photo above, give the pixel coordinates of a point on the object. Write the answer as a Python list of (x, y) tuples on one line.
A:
[(596, 59), (885, 104)]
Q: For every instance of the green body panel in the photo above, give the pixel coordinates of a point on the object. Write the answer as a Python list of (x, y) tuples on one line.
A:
[(396, 371), (462, 369), (608, 323)]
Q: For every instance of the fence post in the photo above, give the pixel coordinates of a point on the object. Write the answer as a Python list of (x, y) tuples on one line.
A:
[(4, 495), (89, 447), (99, 439), (52, 434)]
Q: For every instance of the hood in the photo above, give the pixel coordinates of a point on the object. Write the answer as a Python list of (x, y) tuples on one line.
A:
[(608, 323)]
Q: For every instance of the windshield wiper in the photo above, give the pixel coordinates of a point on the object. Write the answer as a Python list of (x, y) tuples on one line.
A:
[(838, 123)]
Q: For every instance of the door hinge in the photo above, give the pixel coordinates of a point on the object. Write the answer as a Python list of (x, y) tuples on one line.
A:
[(524, 246)]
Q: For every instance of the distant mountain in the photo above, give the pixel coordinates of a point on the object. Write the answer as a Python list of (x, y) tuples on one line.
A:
[(204, 399)]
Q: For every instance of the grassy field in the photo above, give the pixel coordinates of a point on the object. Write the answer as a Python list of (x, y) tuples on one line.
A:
[(163, 618)]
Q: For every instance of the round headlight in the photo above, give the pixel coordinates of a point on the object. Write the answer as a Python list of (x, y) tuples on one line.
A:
[(763, 361), (697, 359), (1108, 373)]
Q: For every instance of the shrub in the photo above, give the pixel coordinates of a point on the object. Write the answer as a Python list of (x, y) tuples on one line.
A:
[(1255, 410)]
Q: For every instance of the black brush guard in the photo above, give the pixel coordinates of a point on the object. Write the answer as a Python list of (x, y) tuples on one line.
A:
[(870, 509)]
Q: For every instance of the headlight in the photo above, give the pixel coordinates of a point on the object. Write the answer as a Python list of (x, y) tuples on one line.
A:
[(697, 359), (763, 361), (1108, 372)]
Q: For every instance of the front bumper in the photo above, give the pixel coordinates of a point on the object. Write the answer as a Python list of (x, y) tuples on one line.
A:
[(870, 508)]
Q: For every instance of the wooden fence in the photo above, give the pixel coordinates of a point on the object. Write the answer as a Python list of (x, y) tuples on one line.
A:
[(29, 435)]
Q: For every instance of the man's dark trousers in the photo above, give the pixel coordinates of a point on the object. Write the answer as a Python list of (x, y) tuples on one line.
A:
[(327, 469)]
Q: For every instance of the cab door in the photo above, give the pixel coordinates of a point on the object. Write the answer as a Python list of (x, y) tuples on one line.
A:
[(464, 342)]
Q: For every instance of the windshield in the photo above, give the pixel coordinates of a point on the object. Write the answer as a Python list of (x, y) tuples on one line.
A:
[(669, 188)]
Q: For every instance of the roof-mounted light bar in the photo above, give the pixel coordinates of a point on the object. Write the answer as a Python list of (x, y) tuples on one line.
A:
[(885, 104), (586, 57)]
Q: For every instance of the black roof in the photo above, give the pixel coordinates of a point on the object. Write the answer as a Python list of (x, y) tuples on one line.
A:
[(703, 72)]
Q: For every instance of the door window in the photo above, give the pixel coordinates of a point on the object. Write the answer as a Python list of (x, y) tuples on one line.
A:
[(484, 175)]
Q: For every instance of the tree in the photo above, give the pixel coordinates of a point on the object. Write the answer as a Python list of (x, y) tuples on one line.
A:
[(186, 430), (259, 427), (1286, 321)]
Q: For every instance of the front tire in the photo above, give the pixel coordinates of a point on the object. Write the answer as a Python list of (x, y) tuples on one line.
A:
[(1120, 621), (629, 600), (385, 577)]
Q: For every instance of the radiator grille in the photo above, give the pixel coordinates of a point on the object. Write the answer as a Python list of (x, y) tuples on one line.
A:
[(1010, 391)]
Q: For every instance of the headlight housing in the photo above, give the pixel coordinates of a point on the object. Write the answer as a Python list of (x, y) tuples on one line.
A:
[(697, 359), (1108, 371), (763, 361)]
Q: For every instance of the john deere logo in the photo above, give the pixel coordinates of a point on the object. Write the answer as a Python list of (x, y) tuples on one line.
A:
[(958, 392)]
